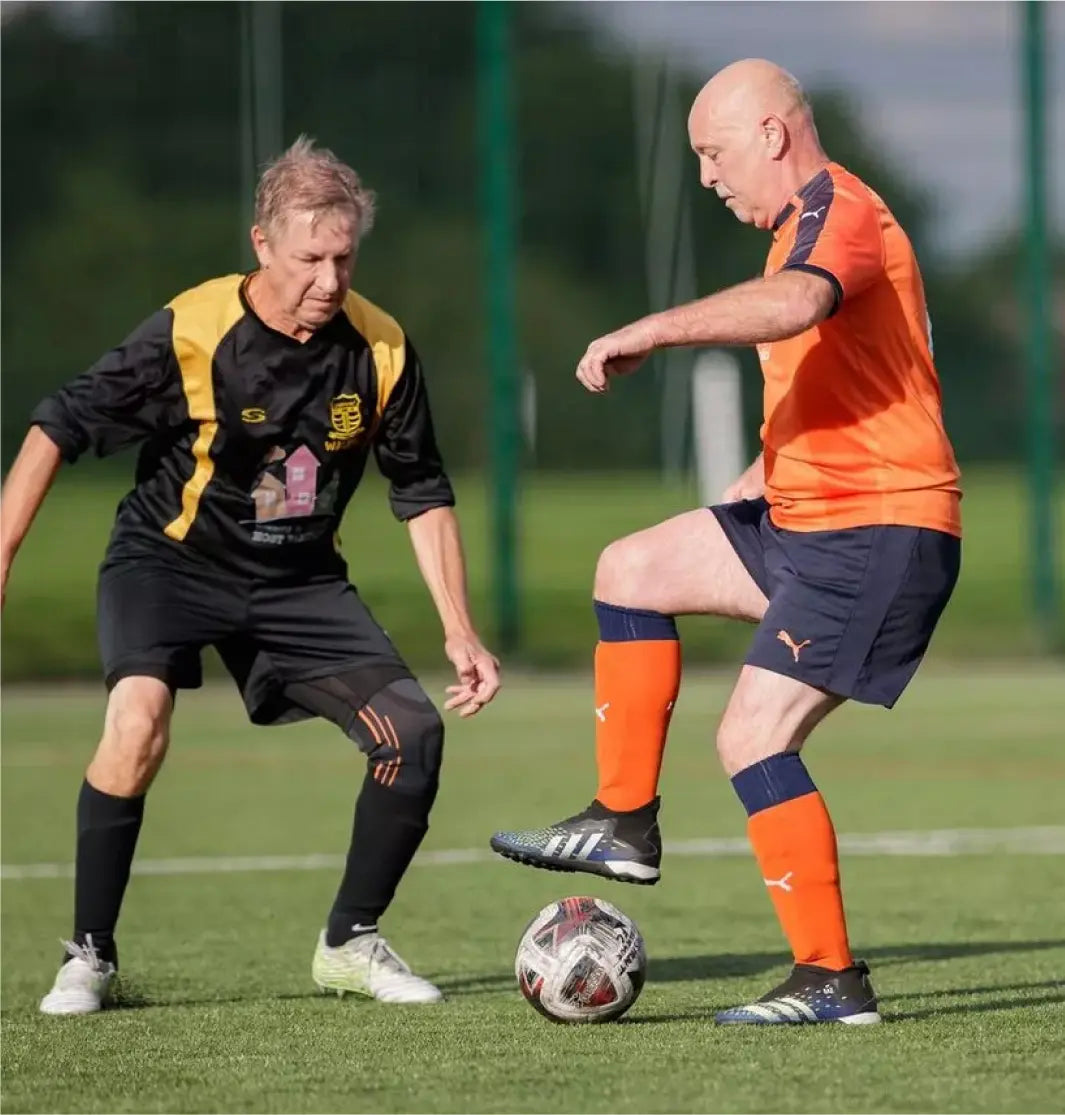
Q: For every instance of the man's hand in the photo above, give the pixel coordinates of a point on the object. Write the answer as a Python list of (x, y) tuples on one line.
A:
[(438, 549), (616, 354), (751, 485), (478, 674)]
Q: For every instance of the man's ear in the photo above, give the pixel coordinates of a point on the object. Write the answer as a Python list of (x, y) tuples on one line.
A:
[(775, 136), (260, 245)]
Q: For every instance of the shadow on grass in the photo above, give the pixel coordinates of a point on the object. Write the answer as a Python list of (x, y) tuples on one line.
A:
[(965, 1005), (990, 1006), (680, 969), (129, 995), (998, 989)]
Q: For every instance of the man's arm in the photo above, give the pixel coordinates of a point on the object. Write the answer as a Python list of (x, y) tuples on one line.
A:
[(26, 485), (758, 311), (421, 496), (437, 544), (755, 312), (123, 398)]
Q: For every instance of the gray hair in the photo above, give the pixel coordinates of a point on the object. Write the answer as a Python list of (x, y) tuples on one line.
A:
[(311, 179), (794, 93)]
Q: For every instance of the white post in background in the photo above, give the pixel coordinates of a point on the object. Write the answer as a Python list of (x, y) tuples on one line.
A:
[(717, 405), (529, 409)]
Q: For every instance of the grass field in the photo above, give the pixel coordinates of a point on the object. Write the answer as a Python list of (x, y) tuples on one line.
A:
[(565, 522), (219, 1014)]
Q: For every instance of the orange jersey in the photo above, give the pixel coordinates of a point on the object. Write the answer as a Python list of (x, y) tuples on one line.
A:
[(853, 432)]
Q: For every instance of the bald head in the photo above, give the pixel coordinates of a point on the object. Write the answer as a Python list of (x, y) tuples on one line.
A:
[(753, 130), (750, 88)]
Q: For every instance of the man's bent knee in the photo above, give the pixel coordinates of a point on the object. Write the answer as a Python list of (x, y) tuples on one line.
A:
[(768, 714), (135, 737), (683, 566), (398, 728), (402, 734), (621, 575)]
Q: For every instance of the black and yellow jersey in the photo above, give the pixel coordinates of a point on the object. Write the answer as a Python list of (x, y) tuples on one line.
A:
[(252, 442)]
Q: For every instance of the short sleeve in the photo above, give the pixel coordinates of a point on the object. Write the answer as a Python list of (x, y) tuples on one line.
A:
[(127, 395), (839, 237), (405, 446)]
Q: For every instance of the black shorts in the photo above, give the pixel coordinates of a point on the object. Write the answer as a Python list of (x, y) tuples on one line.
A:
[(155, 617), (850, 611)]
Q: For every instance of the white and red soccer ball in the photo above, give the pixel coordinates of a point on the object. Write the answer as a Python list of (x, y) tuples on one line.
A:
[(581, 960)]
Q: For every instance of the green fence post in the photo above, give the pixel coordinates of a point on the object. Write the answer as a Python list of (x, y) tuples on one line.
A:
[(1039, 355), (496, 135), (260, 103)]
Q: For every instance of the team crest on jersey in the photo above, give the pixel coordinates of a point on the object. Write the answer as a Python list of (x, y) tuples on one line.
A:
[(346, 422)]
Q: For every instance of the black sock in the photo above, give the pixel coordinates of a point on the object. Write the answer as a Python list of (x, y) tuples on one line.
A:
[(388, 828), (108, 828)]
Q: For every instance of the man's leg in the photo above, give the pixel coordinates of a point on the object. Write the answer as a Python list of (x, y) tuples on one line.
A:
[(765, 724), (789, 827), (315, 650), (851, 618), (686, 565), (110, 811), (402, 736), (683, 566)]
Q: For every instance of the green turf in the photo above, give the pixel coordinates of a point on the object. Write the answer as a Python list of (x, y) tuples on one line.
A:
[(565, 522), (968, 951)]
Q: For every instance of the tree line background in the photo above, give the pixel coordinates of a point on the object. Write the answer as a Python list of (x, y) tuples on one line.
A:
[(123, 187)]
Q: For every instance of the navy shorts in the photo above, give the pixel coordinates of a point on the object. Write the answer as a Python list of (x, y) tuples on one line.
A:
[(850, 611), (156, 616)]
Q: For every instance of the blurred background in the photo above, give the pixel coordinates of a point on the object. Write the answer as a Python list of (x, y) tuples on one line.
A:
[(536, 190)]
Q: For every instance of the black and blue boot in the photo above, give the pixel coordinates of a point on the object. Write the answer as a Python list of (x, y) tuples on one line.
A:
[(622, 846)]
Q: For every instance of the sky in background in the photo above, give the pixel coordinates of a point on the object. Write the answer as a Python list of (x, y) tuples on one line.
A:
[(938, 82)]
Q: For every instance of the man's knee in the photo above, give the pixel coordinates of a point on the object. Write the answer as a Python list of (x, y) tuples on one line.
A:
[(135, 737), (738, 743), (402, 734), (767, 714), (622, 573), (734, 740)]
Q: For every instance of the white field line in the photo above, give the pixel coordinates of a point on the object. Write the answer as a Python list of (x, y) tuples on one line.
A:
[(1046, 840)]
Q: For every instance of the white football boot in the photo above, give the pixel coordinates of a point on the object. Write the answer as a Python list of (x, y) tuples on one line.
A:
[(368, 965), (83, 983)]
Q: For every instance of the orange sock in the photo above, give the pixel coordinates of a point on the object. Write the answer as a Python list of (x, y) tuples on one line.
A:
[(795, 844), (637, 677)]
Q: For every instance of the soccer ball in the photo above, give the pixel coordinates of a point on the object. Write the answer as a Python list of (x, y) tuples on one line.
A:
[(581, 960)]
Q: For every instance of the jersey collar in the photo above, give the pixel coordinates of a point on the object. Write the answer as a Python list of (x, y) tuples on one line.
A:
[(799, 198)]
